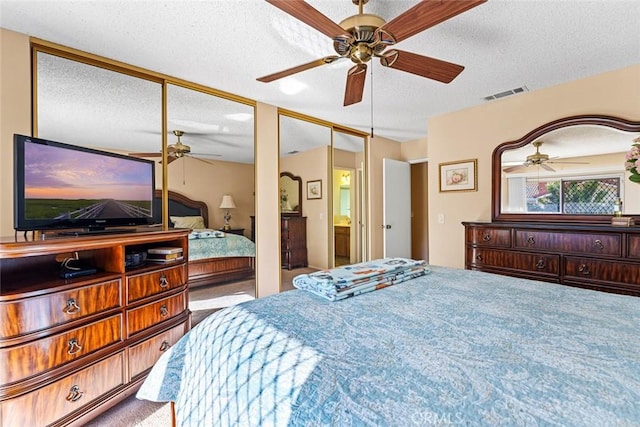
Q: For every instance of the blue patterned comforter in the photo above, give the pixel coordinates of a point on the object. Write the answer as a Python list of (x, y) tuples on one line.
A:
[(214, 247), (453, 347)]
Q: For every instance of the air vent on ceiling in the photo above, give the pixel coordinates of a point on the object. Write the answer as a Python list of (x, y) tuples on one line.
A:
[(506, 93)]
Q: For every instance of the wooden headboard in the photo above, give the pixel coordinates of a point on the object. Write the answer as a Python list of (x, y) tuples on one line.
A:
[(180, 205)]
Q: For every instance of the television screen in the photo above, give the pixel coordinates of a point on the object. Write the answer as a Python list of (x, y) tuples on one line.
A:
[(60, 185)]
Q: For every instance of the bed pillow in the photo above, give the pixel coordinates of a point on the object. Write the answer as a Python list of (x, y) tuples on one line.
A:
[(187, 221), (206, 234)]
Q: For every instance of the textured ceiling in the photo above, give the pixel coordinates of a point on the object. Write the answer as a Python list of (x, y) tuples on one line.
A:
[(227, 44)]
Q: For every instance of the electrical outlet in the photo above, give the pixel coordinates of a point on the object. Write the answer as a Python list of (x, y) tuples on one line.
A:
[(440, 218)]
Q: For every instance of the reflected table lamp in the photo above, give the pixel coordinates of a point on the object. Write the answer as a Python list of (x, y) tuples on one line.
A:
[(227, 203)]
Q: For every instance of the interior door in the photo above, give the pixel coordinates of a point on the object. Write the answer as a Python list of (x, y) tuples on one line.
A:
[(396, 199)]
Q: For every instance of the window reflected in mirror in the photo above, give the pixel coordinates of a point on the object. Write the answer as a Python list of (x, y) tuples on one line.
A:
[(573, 170)]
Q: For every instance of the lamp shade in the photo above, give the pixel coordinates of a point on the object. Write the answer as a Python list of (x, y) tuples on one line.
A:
[(227, 202)]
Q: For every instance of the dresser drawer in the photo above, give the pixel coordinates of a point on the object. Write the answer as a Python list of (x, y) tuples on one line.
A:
[(153, 283), (544, 264), (46, 405), (634, 247), (599, 244), (41, 355), (151, 314), (488, 236), (588, 269), (143, 356), (32, 314)]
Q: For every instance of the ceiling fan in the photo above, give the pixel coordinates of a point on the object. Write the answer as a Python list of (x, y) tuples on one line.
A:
[(539, 159), (364, 36), (176, 150)]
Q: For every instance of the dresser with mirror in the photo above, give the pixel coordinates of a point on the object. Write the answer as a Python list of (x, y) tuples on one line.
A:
[(554, 194)]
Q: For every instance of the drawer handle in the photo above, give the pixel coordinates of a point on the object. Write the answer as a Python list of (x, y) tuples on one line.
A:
[(479, 257), (598, 244), (163, 311), (164, 282), (584, 269), (486, 237), (164, 346), (540, 264), (74, 347), (531, 240), (74, 394), (72, 307)]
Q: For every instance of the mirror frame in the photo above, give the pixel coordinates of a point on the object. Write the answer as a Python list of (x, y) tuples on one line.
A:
[(299, 180), (496, 169)]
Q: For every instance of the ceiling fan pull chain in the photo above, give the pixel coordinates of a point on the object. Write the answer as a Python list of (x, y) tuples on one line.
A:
[(371, 84)]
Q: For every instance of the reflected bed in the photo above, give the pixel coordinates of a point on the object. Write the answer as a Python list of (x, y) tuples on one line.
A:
[(218, 266)]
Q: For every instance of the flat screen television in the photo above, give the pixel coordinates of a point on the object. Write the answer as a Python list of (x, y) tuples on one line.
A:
[(64, 186)]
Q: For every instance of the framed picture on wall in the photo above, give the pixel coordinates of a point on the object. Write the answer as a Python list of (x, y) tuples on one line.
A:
[(459, 176), (314, 189)]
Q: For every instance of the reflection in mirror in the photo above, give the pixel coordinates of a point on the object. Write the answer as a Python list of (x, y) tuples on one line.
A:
[(94, 107), (569, 171), (304, 152), (216, 155), (290, 194), (348, 202)]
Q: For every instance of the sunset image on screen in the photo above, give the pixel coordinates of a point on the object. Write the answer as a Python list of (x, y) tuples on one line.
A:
[(69, 183)]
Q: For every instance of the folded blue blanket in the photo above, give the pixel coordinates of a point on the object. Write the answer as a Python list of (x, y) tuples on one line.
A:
[(351, 280)]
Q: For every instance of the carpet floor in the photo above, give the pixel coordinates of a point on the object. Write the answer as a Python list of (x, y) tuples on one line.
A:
[(202, 302)]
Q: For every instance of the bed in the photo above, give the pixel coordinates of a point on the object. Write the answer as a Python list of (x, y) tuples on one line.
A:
[(236, 262), (451, 347)]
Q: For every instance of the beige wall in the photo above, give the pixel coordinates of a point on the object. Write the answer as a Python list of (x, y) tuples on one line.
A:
[(473, 134), (267, 201), (313, 165), (15, 113)]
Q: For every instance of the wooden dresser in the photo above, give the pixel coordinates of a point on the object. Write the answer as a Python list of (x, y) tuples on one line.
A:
[(598, 257), (293, 241), (72, 348)]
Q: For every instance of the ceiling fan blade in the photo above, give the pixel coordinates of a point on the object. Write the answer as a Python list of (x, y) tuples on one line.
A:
[(570, 163), (299, 68), (204, 160), (425, 15), (195, 155), (423, 66), (513, 168), (547, 167), (355, 84), (306, 13), (145, 154)]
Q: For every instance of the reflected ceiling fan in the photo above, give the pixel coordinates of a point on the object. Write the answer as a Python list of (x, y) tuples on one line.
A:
[(176, 151), (364, 36), (539, 159)]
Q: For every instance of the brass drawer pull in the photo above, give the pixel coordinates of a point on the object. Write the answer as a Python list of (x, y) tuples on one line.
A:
[(74, 347), (479, 257), (598, 244), (74, 394), (540, 265), (72, 307), (531, 240), (584, 269), (163, 311), (164, 346), (164, 282), (486, 237)]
